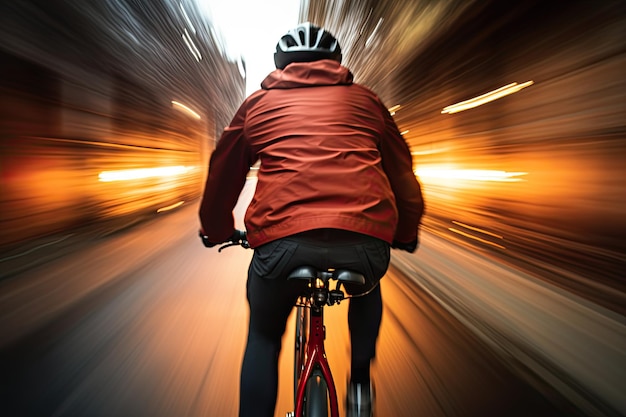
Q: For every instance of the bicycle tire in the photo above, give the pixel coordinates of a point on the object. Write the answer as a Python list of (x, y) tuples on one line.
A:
[(316, 400), (301, 336)]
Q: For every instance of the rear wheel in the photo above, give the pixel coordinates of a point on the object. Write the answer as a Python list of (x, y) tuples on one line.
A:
[(316, 401), (302, 321)]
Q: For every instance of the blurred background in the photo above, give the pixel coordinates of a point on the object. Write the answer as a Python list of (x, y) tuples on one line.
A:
[(514, 114)]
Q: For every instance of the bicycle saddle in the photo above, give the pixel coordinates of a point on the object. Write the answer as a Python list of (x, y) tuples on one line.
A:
[(343, 275)]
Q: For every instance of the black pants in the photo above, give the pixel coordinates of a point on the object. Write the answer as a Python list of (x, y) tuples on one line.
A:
[(271, 298)]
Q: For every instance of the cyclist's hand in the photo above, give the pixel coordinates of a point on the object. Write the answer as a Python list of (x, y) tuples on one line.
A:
[(409, 247), (205, 240)]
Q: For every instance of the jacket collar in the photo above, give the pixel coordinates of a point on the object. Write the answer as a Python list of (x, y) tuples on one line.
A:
[(308, 74)]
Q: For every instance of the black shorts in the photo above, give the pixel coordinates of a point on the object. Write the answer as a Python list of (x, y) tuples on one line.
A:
[(323, 249)]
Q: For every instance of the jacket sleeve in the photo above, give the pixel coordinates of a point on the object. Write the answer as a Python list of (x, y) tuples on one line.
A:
[(398, 165), (228, 168)]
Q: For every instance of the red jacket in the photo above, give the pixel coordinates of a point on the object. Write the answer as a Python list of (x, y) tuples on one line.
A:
[(331, 157)]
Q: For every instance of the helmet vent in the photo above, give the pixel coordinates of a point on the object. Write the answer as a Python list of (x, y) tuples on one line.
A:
[(289, 41)]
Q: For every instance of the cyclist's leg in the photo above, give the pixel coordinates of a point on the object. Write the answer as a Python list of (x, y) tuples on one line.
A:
[(364, 317), (365, 312), (270, 301), (368, 255)]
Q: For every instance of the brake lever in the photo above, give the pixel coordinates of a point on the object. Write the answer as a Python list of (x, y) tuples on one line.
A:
[(228, 245)]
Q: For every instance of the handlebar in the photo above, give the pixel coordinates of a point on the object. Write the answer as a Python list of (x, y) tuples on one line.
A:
[(238, 238)]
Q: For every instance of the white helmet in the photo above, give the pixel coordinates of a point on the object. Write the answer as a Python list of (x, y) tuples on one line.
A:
[(304, 43)]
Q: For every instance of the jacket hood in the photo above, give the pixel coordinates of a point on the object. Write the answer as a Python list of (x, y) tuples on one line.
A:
[(308, 74)]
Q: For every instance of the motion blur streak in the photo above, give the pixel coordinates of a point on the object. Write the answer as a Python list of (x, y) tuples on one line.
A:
[(93, 101), (134, 174), (187, 109), (469, 174), (552, 153), (470, 236), (486, 98), (540, 328), (392, 110), (514, 304), (192, 46), (477, 229), (170, 207)]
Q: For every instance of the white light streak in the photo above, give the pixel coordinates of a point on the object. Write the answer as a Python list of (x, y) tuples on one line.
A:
[(470, 174), (142, 173), (193, 29), (392, 110), (241, 68), (192, 46), (486, 98), (186, 109), (371, 37)]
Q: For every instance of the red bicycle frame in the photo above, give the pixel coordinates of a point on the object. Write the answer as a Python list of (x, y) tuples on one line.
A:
[(320, 295), (316, 355)]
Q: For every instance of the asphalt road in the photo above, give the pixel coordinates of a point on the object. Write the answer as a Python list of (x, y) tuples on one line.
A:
[(148, 322)]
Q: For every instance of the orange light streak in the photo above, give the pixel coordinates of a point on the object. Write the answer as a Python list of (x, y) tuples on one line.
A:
[(170, 207)]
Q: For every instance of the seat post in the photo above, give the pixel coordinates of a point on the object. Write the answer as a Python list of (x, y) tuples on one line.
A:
[(320, 290)]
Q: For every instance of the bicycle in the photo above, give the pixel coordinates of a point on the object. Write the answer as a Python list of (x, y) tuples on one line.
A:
[(314, 387), (315, 393)]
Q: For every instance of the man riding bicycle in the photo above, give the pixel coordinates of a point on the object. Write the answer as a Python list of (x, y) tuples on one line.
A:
[(335, 189)]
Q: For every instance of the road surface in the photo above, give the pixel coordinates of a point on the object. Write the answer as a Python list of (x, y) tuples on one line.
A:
[(148, 322)]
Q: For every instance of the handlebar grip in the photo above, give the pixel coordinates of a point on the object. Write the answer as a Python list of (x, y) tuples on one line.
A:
[(238, 236)]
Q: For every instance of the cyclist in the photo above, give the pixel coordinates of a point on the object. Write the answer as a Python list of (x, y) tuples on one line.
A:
[(335, 188)]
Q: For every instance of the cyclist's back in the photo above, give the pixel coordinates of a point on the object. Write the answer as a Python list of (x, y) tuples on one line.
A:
[(320, 151), (335, 188)]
